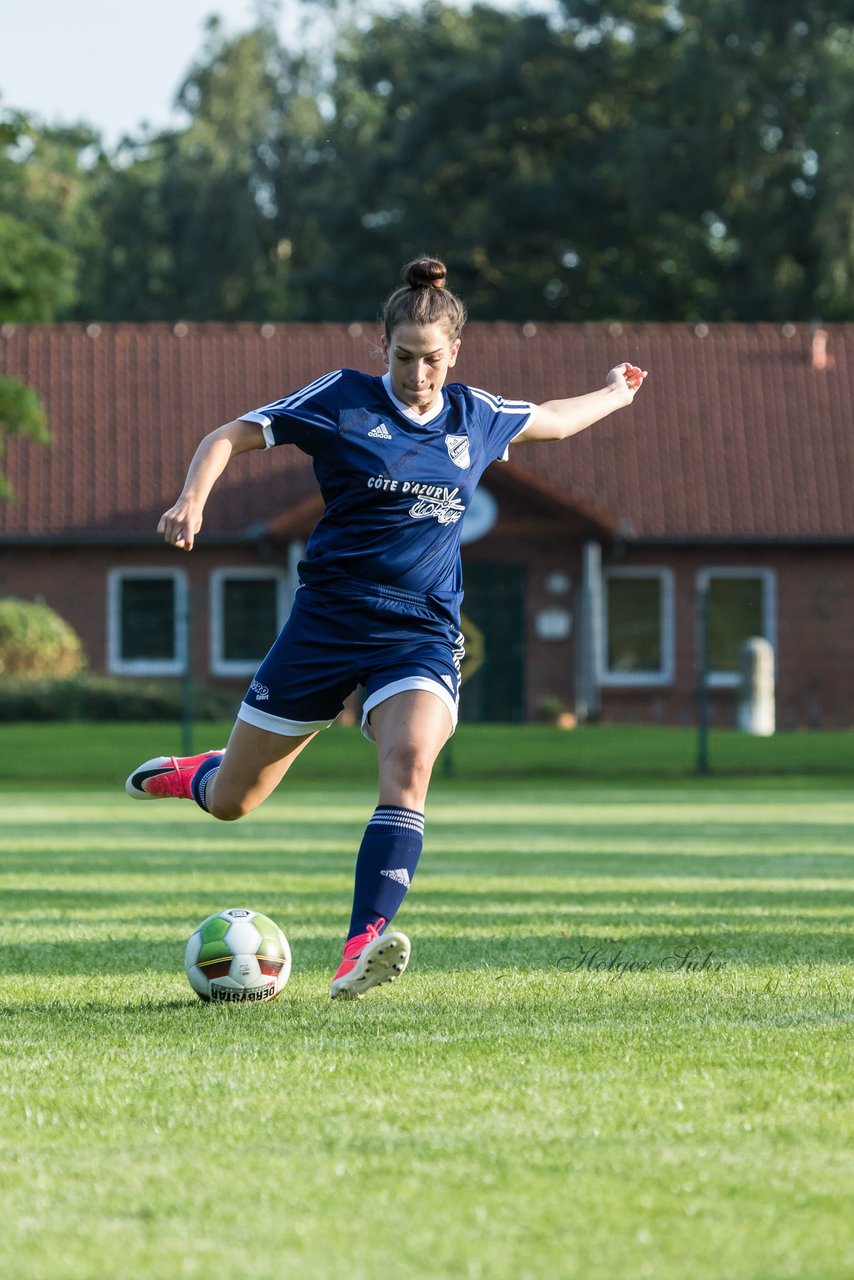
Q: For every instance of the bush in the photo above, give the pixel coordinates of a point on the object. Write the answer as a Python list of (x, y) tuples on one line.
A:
[(103, 698), (36, 643)]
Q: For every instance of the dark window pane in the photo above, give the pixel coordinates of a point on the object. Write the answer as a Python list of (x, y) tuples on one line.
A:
[(249, 618), (634, 624), (735, 614), (147, 619)]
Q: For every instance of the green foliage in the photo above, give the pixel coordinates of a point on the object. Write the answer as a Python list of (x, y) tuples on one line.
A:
[(21, 411), (189, 218), (46, 219), (637, 161), (105, 699), (617, 159), (35, 273), (21, 414), (35, 642)]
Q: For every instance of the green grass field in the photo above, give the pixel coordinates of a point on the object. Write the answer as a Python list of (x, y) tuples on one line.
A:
[(102, 754), (523, 1103)]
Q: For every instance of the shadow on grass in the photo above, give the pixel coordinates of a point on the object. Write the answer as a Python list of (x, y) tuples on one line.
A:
[(647, 940)]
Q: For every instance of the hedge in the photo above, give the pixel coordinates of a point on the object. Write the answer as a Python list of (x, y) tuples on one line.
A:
[(103, 698)]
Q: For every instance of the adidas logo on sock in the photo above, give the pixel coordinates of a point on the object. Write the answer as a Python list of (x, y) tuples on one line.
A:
[(381, 432), (400, 875)]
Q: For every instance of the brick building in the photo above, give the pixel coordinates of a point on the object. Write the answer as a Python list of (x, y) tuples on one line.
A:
[(584, 560)]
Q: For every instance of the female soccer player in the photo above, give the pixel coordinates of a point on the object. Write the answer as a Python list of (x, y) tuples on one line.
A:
[(398, 458)]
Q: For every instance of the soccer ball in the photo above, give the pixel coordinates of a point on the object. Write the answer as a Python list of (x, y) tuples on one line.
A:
[(237, 957)]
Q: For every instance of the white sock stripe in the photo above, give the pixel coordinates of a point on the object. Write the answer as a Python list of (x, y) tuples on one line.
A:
[(402, 825), (391, 816), (398, 811)]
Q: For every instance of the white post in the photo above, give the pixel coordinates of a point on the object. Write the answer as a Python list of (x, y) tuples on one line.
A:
[(756, 694)]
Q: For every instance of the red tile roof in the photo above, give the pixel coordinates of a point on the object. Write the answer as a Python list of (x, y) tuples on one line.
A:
[(735, 434)]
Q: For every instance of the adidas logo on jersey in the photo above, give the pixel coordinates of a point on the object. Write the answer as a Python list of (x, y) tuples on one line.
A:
[(381, 432), (400, 875)]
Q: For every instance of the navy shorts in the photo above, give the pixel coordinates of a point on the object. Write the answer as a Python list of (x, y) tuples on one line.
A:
[(387, 641)]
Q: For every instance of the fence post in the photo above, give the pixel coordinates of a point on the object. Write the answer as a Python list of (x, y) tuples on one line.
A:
[(703, 678), (589, 633), (184, 623)]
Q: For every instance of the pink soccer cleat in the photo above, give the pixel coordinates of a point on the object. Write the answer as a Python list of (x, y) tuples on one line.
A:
[(369, 959), (166, 776)]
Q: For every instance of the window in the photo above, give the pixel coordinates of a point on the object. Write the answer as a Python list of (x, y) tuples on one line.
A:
[(740, 603), (247, 610), (146, 621), (637, 632)]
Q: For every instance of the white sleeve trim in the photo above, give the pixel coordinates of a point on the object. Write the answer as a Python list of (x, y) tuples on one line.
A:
[(265, 423), (505, 457)]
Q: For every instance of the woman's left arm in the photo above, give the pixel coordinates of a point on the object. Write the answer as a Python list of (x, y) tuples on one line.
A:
[(557, 419)]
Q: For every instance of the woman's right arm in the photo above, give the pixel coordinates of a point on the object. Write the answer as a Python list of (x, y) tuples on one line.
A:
[(180, 524)]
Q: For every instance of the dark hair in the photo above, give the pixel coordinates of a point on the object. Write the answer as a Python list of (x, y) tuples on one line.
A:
[(424, 299)]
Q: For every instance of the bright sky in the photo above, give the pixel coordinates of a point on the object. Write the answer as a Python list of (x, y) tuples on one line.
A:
[(118, 65)]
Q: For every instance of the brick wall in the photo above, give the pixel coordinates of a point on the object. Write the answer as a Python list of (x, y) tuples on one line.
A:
[(814, 626), (814, 608)]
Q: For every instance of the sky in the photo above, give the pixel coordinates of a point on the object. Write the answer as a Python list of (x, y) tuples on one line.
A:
[(117, 66)]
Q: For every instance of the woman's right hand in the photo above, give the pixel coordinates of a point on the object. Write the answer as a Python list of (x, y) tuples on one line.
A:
[(180, 524)]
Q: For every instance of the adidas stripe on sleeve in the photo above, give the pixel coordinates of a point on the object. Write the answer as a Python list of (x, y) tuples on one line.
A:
[(501, 420), (302, 417)]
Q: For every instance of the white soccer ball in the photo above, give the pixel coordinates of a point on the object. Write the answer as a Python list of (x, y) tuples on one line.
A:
[(237, 957)]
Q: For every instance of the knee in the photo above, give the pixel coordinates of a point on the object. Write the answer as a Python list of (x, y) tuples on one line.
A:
[(227, 811), (406, 771)]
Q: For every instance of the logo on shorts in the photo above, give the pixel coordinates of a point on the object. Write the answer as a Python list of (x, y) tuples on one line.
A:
[(458, 450), (262, 693)]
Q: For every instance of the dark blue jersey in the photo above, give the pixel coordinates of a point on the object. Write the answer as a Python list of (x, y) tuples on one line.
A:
[(396, 484)]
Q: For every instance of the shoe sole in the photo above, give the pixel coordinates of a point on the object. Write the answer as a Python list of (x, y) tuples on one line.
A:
[(382, 960)]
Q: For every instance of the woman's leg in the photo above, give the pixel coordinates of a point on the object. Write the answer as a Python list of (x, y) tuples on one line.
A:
[(254, 764), (227, 784), (410, 729)]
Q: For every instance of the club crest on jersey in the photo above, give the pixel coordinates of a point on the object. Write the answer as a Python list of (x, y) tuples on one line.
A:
[(458, 450)]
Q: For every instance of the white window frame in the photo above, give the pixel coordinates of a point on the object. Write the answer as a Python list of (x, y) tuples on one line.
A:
[(648, 679), (768, 577), (119, 666), (220, 665)]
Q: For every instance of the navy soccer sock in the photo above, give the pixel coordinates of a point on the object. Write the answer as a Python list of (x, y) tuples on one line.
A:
[(200, 779), (388, 856)]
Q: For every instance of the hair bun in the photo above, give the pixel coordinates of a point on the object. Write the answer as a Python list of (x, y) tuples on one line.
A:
[(421, 273)]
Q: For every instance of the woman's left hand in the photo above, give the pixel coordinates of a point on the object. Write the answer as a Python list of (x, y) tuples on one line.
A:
[(628, 377)]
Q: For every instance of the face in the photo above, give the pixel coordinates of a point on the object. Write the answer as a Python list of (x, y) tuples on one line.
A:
[(419, 357)]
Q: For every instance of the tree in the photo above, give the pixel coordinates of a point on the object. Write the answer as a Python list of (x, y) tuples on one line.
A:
[(40, 192), (637, 161), (196, 220), (829, 170), (622, 159), (37, 265)]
